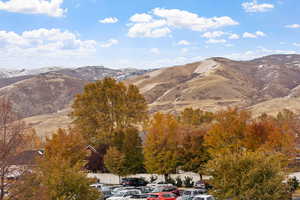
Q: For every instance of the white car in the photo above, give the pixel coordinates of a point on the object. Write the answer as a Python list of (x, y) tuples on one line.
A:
[(204, 197), (124, 194), (158, 183), (97, 186), (121, 188)]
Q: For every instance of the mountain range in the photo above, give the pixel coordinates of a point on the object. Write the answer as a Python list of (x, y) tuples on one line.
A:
[(268, 84)]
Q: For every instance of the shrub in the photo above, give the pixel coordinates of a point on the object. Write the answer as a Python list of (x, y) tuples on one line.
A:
[(171, 180), (153, 178), (188, 181), (178, 181), (293, 184)]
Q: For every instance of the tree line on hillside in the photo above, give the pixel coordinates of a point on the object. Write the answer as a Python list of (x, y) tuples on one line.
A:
[(247, 157)]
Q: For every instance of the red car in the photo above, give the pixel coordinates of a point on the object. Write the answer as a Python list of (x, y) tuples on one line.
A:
[(162, 196), (171, 189)]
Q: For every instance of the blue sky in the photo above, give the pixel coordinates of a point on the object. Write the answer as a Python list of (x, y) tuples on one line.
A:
[(143, 33)]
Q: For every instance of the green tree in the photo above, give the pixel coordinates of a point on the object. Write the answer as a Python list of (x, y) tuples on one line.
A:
[(247, 176), (133, 151), (160, 148), (106, 106), (114, 161)]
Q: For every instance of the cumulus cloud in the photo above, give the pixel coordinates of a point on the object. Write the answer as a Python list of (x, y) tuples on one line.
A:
[(153, 29), (296, 44), (155, 51), (41, 39), (254, 35), (215, 41), (234, 36), (184, 19), (51, 8), (109, 43), (214, 34), (259, 52), (184, 50), (183, 42), (43, 46), (109, 20), (293, 26), (253, 7), (162, 21), (141, 18)]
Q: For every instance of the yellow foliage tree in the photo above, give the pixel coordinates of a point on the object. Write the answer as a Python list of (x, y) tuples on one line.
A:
[(106, 106), (161, 145)]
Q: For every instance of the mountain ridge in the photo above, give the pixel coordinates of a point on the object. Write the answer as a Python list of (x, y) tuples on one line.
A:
[(267, 84)]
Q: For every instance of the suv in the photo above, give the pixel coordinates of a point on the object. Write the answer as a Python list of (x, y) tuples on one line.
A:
[(136, 182)]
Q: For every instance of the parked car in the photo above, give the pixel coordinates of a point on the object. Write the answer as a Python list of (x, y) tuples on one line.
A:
[(203, 185), (203, 197), (106, 194), (120, 188), (124, 194), (133, 182), (189, 194), (138, 197), (162, 196), (158, 183), (145, 189), (97, 185), (171, 189)]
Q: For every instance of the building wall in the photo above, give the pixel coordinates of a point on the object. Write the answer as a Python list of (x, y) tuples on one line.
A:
[(107, 178)]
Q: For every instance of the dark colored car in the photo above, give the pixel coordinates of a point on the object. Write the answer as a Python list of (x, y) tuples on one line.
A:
[(136, 182)]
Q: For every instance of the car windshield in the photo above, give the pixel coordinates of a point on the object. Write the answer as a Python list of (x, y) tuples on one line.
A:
[(153, 196), (158, 189), (187, 193), (119, 194)]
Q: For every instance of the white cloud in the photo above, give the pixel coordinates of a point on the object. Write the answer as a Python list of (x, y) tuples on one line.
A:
[(184, 50), (161, 21), (109, 20), (296, 44), (184, 19), (259, 52), (215, 41), (155, 51), (109, 43), (51, 8), (249, 35), (254, 35), (183, 42), (256, 7), (214, 34), (41, 39), (141, 18), (234, 36), (293, 26), (44, 47), (260, 34), (154, 29)]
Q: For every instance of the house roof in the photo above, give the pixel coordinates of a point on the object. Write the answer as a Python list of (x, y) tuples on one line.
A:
[(26, 157)]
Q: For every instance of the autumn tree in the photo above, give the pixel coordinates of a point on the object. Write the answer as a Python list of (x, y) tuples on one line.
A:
[(247, 175), (160, 148), (114, 161), (235, 130), (128, 142), (12, 142), (192, 153), (60, 172), (106, 106), (195, 117)]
